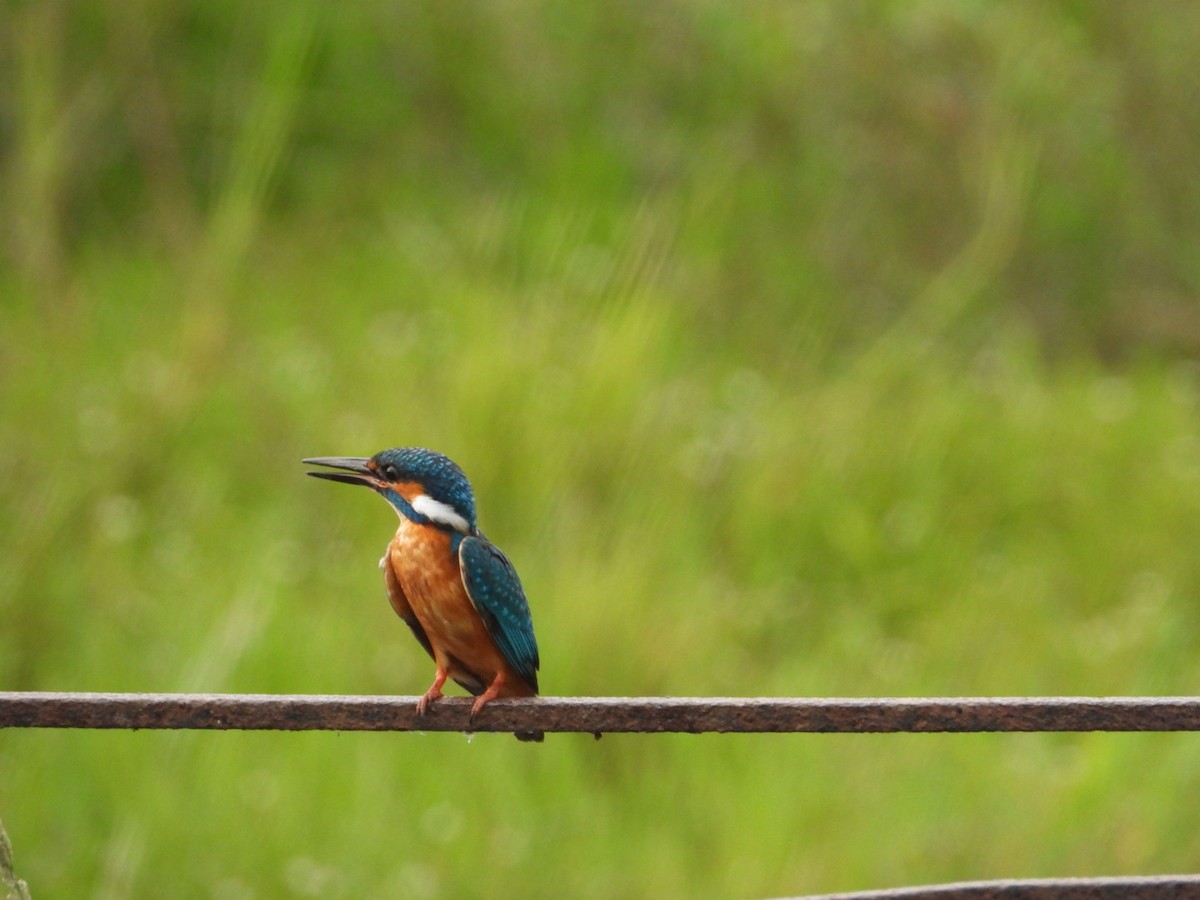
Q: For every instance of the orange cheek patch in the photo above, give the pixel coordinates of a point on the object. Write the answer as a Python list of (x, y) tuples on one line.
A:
[(409, 490)]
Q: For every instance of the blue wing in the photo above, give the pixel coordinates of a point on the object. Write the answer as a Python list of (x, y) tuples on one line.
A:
[(495, 590)]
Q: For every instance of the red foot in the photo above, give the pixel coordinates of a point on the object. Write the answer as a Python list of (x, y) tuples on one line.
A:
[(490, 694), (434, 693)]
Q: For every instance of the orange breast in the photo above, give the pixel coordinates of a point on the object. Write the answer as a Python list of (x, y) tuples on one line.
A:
[(428, 573)]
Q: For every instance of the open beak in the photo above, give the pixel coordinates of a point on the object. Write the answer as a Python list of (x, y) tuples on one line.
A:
[(353, 470)]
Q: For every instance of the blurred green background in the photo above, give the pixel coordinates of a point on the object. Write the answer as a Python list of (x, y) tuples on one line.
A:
[(793, 349)]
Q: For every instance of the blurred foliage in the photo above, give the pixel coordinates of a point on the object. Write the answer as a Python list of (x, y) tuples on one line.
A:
[(793, 348), (826, 163)]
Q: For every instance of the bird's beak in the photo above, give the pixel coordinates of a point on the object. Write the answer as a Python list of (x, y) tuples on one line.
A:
[(354, 470)]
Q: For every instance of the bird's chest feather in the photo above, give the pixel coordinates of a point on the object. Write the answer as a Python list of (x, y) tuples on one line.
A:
[(427, 569)]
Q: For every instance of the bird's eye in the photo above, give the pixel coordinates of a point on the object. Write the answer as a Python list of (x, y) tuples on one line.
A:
[(391, 473)]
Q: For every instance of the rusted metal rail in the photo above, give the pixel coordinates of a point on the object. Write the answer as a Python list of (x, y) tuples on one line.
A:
[(1153, 887), (596, 715)]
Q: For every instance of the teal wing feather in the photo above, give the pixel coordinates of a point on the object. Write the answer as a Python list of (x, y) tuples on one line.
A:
[(496, 592)]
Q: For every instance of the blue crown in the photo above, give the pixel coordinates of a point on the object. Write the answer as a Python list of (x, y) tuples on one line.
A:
[(438, 475)]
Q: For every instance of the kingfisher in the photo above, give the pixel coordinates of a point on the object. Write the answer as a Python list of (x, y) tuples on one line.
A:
[(453, 587)]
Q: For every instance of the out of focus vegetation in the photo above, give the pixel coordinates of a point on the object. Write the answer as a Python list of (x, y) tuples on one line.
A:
[(793, 349)]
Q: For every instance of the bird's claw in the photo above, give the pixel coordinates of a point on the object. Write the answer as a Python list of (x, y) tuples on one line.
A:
[(480, 703), (427, 701)]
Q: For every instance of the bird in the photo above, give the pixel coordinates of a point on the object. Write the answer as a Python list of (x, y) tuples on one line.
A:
[(453, 587)]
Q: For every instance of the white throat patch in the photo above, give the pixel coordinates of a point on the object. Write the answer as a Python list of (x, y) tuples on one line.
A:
[(442, 513)]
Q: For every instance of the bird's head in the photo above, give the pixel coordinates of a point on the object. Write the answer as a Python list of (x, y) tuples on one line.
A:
[(421, 485)]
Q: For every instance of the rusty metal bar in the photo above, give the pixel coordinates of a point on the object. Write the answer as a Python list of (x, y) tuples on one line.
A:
[(1152, 887), (597, 715)]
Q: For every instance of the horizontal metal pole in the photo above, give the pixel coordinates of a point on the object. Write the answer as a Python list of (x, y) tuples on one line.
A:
[(595, 715), (1150, 887)]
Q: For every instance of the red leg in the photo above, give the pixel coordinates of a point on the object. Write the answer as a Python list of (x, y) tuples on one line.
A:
[(434, 692), (490, 694)]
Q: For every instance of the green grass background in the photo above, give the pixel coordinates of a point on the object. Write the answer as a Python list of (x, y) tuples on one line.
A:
[(793, 349)]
